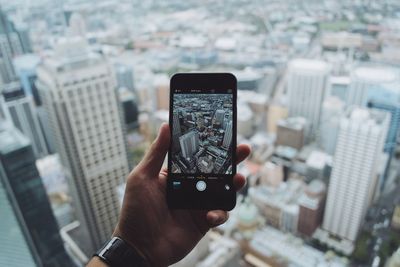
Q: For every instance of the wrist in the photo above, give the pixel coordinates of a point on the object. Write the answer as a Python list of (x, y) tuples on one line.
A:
[(143, 252)]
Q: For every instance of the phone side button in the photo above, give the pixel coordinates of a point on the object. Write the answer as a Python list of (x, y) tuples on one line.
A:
[(201, 185)]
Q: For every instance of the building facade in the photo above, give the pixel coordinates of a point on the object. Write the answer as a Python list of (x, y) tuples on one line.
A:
[(189, 144), (10, 46), (307, 83), (291, 132), (354, 177), (20, 110), (80, 97), (31, 207), (227, 136), (368, 81)]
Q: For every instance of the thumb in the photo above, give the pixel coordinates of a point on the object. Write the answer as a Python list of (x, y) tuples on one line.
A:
[(154, 158)]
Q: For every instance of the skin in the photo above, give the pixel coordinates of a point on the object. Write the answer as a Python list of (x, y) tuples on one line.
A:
[(161, 235)]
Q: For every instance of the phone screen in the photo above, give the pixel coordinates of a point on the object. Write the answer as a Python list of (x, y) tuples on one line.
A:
[(201, 159), (202, 133)]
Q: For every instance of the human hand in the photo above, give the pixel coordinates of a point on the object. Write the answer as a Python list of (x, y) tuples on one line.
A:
[(161, 235)]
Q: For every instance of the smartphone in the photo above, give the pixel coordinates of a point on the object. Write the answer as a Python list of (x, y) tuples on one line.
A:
[(202, 158)]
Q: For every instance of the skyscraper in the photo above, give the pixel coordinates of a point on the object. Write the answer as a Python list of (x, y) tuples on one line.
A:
[(219, 116), (228, 135), (130, 109), (307, 83), (368, 81), (25, 68), (80, 97), (124, 75), (189, 143), (14, 246), (10, 46), (332, 110), (391, 140), (31, 208), (20, 110), (353, 181), (176, 131)]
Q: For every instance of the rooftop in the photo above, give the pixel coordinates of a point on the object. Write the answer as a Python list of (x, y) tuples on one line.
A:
[(376, 74), (11, 139), (303, 64), (271, 243)]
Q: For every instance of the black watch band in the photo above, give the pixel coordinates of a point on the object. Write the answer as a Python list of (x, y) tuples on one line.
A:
[(117, 253)]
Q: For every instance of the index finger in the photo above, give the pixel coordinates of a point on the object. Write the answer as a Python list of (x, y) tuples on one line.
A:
[(242, 152)]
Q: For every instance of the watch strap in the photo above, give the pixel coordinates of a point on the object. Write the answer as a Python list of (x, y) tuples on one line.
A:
[(117, 253)]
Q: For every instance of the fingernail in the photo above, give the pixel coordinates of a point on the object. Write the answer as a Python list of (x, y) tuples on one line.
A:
[(217, 220)]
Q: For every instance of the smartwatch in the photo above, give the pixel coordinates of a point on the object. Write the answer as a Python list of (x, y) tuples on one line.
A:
[(117, 253)]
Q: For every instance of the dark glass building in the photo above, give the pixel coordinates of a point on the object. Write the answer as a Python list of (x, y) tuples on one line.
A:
[(20, 178)]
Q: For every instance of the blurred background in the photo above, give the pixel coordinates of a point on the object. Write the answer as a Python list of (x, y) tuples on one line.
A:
[(85, 85)]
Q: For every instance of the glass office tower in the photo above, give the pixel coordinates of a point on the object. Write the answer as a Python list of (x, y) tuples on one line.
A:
[(33, 217)]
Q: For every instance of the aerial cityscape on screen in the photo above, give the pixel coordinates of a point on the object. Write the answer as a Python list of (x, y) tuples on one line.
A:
[(202, 133)]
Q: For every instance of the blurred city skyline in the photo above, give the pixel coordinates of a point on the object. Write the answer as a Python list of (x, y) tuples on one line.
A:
[(84, 88)]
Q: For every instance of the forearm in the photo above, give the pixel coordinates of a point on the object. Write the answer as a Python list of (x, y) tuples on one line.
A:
[(96, 262)]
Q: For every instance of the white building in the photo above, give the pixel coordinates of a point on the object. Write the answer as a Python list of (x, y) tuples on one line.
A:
[(79, 94), (307, 82), (189, 143), (355, 170), (369, 80), (273, 244), (219, 116), (245, 126), (332, 110), (228, 135)]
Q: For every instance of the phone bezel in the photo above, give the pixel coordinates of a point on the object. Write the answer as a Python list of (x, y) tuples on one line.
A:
[(215, 196)]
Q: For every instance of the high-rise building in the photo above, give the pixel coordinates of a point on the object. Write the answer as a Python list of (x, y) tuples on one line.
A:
[(176, 130), (368, 81), (219, 116), (14, 246), (311, 207), (78, 91), (124, 75), (161, 87), (20, 110), (25, 68), (129, 107), (77, 24), (391, 140), (339, 87), (332, 110), (189, 143), (10, 46), (307, 82), (228, 135), (245, 123), (353, 181), (291, 132), (31, 208), (23, 34)]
